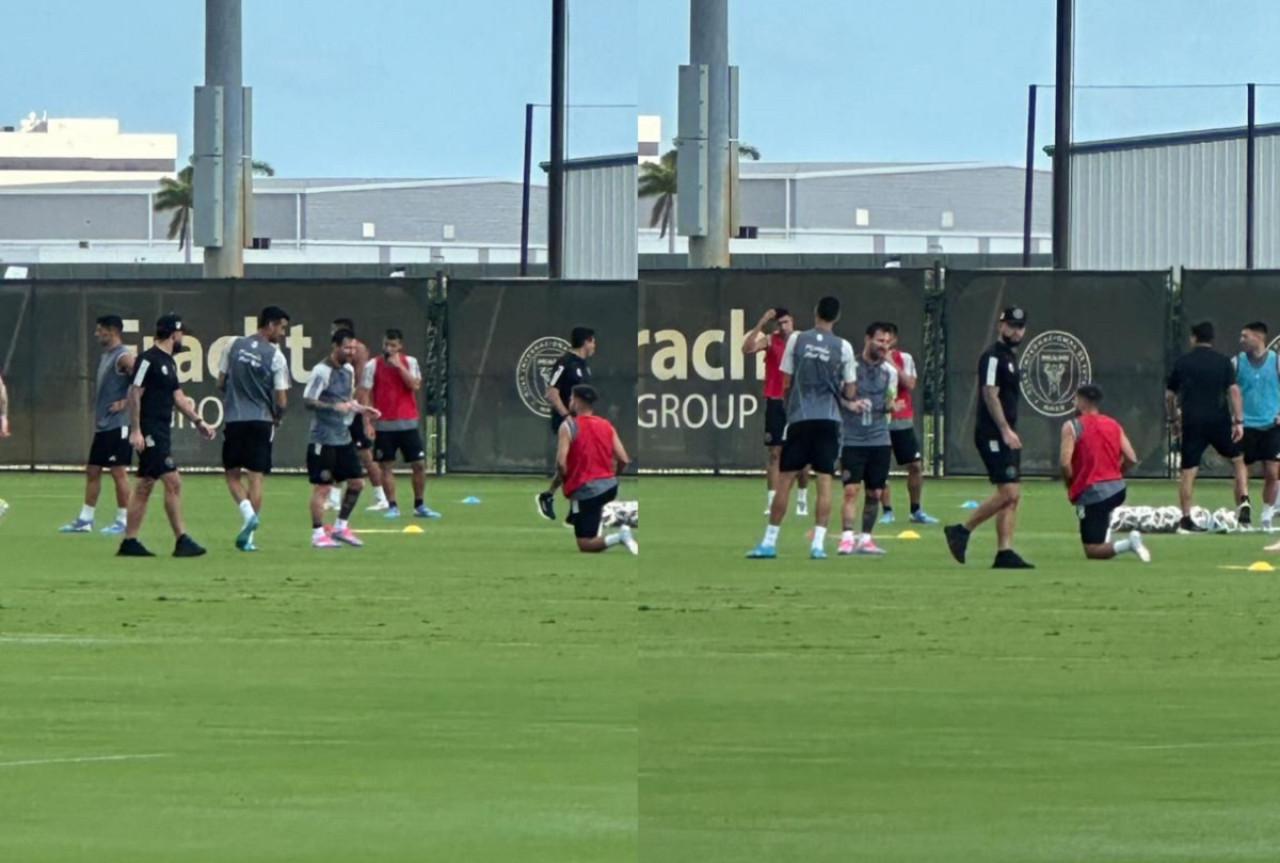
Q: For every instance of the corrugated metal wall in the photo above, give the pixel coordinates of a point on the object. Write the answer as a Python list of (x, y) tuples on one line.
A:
[(600, 222), (1173, 205)]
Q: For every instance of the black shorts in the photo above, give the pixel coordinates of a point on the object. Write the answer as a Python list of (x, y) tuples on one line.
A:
[(1261, 445), (156, 460), (587, 514), (811, 443), (359, 437), (111, 449), (1003, 465), (408, 442), (1197, 438), (906, 448), (247, 445), (1095, 519), (775, 422), (328, 465), (865, 465)]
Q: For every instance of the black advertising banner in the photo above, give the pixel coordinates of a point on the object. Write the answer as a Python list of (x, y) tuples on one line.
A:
[(17, 343), (700, 403), (1106, 328), (54, 358), (504, 337)]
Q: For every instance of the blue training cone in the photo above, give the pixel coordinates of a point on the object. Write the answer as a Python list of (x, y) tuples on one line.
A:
[(471, 499), (969, 504)]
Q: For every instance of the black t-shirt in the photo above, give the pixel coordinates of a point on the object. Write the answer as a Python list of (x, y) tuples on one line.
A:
[(1201, 379), (157, 374), (569, 371), (998, 367)]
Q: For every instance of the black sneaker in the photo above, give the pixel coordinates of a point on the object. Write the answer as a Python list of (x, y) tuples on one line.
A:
[(1009, 559), (1244, 513), (546, 502), (1189, 526), (957, 540), (187, 547), (133, 548)]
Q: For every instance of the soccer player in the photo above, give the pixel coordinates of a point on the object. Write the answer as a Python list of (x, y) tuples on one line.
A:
[(152, 398), (253, 377), (331, 455), (1205, 410), (110, 449), (773, 343), (902, 432), (996, 438), (362, 432), (1094, 455), (864, 460), (589, 459), (568, 372), (1258, 377), (817, 368), (390, 383)]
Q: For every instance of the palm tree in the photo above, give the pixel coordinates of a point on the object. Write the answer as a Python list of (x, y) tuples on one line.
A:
[(658, 181), (178, 194)]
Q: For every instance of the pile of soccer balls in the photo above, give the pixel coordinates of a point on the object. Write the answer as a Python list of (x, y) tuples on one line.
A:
[(622, 512), (1164, 519)]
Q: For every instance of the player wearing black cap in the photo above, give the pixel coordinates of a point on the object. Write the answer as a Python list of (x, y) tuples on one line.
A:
[(998, 444), (152, 398)]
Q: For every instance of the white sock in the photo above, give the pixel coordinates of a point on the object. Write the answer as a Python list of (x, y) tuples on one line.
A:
[(819, 536), (335, 497), (804, 495), (772, 495), (317, 533), (771, 535), (246, 509), (339, 524), (86, 513), (613, 539), (122, 514), (848, 535), (1122, 545), (380, 494)]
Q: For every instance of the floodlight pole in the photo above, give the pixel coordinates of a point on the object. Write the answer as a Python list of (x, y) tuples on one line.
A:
[(223, 43), (1063, 86)]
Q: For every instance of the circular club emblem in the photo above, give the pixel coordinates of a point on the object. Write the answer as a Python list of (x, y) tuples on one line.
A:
[(1054, 365), (533, 372)]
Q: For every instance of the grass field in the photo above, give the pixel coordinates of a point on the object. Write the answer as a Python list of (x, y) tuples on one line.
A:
[(910, 709), (468, 694)]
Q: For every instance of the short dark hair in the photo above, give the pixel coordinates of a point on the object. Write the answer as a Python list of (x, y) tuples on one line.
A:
[(1203, 333), (341, 334), (1257, 327), (585, 393), (780, 313), (828, 309), (878, 327), (271, 315), (112, 322), (580, 336), (890, 327), (394, 335), (345, 324), (1092, 393)]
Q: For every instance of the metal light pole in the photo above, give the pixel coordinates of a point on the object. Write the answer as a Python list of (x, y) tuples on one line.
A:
[(555, 182), (1063, 86), (709, 46), (223, 68)]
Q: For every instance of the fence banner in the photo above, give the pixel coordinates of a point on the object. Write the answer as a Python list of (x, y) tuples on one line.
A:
[(1108, 328), (504, 337), (50, 356), (1228, 299), (700, 404)]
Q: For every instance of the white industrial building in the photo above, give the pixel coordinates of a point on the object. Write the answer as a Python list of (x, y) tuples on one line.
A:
[(46, 149)]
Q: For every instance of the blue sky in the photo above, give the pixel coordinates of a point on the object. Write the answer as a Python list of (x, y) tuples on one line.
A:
[(414, 88)]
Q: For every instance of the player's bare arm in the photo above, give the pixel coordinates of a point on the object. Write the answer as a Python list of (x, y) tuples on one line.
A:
[(1128, 456), (1171, 412), (991, 397), (411, 380), (756, 341), (620, 457), (136, 439), (187, 407), (4, 409), (564, 438), (1066, 451), (905, 381), (1237, 413)]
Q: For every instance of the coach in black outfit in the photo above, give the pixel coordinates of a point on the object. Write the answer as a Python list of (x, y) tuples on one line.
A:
[(1205, 410)]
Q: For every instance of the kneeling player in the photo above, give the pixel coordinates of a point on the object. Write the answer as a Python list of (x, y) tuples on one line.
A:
[(1095, 453), (331, 456), (589, 459)]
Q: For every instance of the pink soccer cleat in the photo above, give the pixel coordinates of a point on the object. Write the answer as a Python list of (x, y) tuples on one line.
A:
[(846, 546), (868, 546), (346, 535), (325, 541)]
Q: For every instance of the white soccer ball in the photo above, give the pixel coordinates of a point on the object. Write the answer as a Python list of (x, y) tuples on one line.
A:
[(4, 508), (622, 513), (1202, 518)]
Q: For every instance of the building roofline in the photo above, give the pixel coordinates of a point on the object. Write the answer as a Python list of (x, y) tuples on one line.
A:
[(878, 171), (588, 162), (1171, 139)]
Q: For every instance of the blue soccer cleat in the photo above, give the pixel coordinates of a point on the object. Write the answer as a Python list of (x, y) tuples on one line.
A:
[(244, 539), (114, 529), (887, 518), (922, 517), (762, 552), (77, 526), (393, 512), (817, 554), (425, 512)]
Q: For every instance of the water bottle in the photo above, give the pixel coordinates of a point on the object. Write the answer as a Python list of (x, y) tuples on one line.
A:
[(866, 412)]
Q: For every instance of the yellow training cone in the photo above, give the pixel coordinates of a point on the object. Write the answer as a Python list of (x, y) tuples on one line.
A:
[(413, 528), (1261, 566), (908, 534)]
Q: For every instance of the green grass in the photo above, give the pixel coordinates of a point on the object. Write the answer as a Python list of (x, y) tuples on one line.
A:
[(910, 709), (468, 694)]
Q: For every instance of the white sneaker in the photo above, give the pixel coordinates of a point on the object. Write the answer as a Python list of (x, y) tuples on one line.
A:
[(378, 506), (1139, 547), (629, 541)]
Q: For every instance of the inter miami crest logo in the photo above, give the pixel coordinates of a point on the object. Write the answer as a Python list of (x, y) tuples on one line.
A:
[(1054, 365), (533, 372)]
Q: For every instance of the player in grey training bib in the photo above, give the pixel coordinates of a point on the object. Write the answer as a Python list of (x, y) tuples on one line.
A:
[(110, 450), (253, 377), (864, 460)]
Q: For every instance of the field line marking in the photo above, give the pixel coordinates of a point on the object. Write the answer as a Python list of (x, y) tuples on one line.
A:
[(83, 760)]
